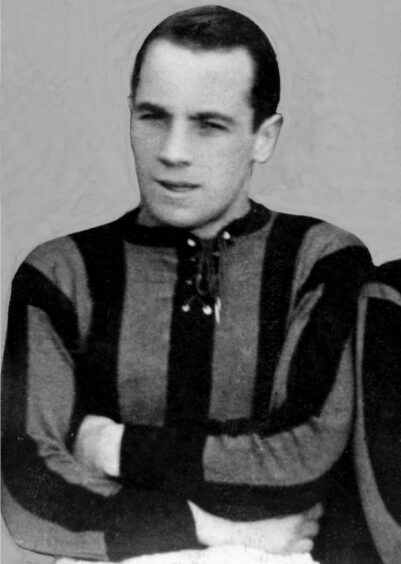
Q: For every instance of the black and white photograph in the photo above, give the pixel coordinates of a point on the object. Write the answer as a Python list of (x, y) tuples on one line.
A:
[(201, 273)]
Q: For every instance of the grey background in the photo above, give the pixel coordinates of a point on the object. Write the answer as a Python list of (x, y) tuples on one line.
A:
[(67, 163)]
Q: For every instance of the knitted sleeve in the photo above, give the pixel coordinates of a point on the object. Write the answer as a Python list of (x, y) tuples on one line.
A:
[(52, 504)]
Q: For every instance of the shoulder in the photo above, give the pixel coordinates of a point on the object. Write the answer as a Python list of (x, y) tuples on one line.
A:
[(323, 238), (315, 237), (63, 261), (325, 252)]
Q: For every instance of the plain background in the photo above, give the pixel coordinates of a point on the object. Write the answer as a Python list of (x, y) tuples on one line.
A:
[(66, 158)]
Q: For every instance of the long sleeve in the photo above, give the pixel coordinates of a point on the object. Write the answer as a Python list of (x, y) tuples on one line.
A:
[(281, 458), (51, 503), (377, 438)]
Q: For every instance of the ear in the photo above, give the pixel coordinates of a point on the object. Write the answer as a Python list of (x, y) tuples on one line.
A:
[(266, 138)]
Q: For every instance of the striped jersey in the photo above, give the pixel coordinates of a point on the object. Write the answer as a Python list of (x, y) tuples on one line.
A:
[(228, 360)]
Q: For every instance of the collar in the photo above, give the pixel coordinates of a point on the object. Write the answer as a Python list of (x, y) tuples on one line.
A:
[(256, 218)]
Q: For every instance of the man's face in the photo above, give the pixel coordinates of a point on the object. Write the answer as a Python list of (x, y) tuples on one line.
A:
[(192, 137)]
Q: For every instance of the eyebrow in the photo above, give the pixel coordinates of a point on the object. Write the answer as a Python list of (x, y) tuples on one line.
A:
[(149, 107), (198, 116), (204, 116)]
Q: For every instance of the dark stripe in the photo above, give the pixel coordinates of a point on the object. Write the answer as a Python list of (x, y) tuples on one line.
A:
[(190, 354), (381, 372), (278, 271), (14, 369), (347, 268), (45, 493), (145, 521), (102, 250), (344, 537), (31, 287), (318, 352), (389, 274), (161, 457)]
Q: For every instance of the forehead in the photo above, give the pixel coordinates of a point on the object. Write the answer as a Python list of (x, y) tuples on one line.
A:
[(173, 74)]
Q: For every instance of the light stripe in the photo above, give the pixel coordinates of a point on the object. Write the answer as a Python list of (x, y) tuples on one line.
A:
[(381, 291)]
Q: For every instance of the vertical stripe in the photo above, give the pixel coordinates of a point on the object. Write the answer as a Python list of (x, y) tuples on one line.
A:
[(381, 371), (102, 250), (14, 370), (190, 356), (281, 252)]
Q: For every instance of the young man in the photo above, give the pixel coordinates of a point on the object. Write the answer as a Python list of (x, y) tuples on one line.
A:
[(182, 377), (377, 440)]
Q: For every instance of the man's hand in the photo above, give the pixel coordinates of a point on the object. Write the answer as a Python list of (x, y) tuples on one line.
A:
[(280, 535), (97, 445)]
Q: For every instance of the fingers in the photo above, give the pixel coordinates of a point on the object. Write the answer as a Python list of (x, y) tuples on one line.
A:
[(314, 512), (302, 546), (309, 529), (309, 526)]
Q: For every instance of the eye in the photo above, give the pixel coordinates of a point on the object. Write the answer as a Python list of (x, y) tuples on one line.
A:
[(211, 125), (149, 116)]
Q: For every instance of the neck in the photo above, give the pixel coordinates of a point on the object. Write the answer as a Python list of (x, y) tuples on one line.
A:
[(210, 230), (206, 230)]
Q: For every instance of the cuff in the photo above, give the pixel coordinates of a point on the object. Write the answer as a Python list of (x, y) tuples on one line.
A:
[(147, 522)]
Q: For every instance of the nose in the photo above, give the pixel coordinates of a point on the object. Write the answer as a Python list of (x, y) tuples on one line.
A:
[(175, 149)]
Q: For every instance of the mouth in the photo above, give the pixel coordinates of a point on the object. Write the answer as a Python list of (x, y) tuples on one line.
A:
[(177, 185)]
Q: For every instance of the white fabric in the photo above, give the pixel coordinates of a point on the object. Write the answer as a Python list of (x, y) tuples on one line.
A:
[(221, 555)]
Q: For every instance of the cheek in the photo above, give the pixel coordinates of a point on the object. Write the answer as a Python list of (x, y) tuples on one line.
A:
[(229, 159), (144, 150), (234, 147)]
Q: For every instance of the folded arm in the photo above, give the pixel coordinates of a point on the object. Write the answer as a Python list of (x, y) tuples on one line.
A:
[(91, 515), (57, 475), (249, 469), (97, 447)]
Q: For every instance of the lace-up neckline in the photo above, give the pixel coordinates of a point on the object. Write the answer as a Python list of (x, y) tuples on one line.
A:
[(200, 258)]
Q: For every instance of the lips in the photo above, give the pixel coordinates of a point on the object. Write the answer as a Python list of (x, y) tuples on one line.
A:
[(177, 185)]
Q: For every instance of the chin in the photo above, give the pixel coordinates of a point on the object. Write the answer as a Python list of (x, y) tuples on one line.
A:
[(175, 220), (183, 219)]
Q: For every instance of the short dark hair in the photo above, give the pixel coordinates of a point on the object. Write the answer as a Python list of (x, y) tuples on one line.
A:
[(212, 27)]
